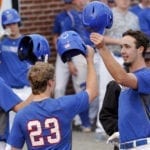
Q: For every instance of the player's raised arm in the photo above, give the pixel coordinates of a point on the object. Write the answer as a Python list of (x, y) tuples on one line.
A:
[(115, 69), (91, 81)]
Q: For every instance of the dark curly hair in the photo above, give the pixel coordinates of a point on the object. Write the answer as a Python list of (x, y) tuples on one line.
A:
[(140, 37)]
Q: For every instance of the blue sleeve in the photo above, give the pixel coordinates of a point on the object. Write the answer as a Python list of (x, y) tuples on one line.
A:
[(8, 99), (144, 19), (62, 23), (144, 81), (68, 24), (16, 133), (74, 104)]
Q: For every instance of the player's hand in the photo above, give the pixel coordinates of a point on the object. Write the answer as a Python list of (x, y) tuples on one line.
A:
[(114, 138), (72, 68), (97, 39)]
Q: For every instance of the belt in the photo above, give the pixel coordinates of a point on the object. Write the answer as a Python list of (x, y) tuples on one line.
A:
[(135, 143)]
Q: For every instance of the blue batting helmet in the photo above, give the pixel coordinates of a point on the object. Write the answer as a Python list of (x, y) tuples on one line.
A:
[(70, 44), (10, 16), (33, 47), (97, 16)]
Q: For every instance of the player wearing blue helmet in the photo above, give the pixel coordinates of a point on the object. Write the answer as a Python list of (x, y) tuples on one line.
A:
[(72, 51), (97, 17), (12, 70), (76, 67), (47, 123)]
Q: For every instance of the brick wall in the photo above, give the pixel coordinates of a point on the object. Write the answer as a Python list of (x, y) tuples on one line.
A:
[(37, 17)]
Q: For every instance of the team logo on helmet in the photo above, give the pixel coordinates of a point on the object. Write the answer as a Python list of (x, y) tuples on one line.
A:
[(70, 44)]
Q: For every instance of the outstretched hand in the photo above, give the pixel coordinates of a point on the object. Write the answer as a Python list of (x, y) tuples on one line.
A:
[(97, 39)]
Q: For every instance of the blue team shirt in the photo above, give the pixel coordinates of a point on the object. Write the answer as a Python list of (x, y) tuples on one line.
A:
[(7, 101), (75, 21), (144, 18), (60, 24), (12, 70), (136, 9), (48, 124), (133, 122), (71, 20)]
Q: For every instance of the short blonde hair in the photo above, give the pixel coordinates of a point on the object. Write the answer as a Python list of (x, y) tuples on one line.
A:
[(38, 75)]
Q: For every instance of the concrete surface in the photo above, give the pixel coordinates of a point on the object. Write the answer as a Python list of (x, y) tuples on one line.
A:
[(89, 141)]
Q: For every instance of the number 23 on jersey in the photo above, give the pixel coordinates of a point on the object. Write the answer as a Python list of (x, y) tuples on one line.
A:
[(35, 131)]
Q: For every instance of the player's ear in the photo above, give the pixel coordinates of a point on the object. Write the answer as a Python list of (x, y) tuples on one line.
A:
[(141, 49), (50, 82)]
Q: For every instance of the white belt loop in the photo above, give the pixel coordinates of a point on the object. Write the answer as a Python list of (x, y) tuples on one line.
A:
[(134, 143)]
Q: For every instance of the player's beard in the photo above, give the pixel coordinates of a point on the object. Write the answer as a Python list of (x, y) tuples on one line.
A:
[(127, 65)]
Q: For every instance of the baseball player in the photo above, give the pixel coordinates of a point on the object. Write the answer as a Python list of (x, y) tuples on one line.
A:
[(93, 14), (8, 101), (12, 70), (134, 103), (46, 123), (109, 112), (75, 67)]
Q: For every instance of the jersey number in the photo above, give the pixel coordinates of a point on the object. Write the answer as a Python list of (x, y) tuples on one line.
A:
[(35, 132)]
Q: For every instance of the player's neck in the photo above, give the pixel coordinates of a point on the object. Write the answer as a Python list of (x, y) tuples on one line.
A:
[(15, 36), (40, 97)]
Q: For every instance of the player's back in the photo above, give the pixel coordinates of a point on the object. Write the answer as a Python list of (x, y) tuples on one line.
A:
[(47, 124)]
